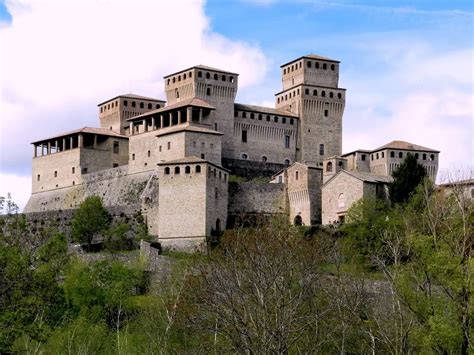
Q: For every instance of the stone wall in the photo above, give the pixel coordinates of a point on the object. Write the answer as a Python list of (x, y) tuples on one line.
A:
[(251, 169), (248, 201)]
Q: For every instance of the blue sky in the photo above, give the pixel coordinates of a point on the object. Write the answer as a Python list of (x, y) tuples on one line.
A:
[(407, 65)]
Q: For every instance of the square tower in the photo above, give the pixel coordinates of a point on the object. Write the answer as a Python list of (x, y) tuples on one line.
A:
[(216, 87), (310, 90)]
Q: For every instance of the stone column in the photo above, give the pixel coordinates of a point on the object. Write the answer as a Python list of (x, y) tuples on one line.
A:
[(132, 131), (64, 145), (200, 115), (153, 123), (71, 142), (56, 143), (179, 116), (189, 114), (80, 140), (95, 141), (145, 126), (162, 121), (35, 153), (48, 151)]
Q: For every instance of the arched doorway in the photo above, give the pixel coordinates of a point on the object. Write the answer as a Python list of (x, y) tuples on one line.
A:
[(298, 221)]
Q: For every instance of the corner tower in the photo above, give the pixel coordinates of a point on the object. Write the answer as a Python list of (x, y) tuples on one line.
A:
[(215, 86), (311, 90)]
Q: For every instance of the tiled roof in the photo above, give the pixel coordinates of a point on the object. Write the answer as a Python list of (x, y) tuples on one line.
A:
[(203, 67), (186, 128), (311, 56), (356, 151), (263, 109), (133, 96), (405, 146), (195, 102), (458, 183), (91, 130), (369, 177)]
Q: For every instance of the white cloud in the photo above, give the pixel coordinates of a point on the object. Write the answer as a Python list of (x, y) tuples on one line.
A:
[(19, 187), (60, 58)]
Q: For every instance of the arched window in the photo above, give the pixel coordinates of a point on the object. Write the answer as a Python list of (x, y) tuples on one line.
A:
[(315, 92), (268, 118), (392, 154), (179, 77), (208, 76), (306, 91), (208, 91), (284, 71), (331, 95), (341, 201), (298, 221), (308, 64), (417, 155), (296, 175), (325, 66), (190, 74), (424, 156), (329, 167), (167, 171), (224, 78), (339, 95), (323, 93), (432, 157), (198, 169), (400, 155), (150, 106), (216, 77), (264, 159), (157, 106), (125, 102), (168, 81), (278, 101), (244, 156), (133, 104), (287, 162), (174, 80), (340, 165), (184, 76), (231, 79), (177, 170), (316, 65), (187, 170), (333, 67), (199, 74)]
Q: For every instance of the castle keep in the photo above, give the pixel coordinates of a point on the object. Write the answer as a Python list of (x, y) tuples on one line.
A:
[(172, 159)]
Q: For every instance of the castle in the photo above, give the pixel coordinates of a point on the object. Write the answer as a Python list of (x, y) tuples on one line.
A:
[(173, 159)]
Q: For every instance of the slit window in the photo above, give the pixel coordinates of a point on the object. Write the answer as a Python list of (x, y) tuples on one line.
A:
[(287, 142), (244, 136), (116, 147), (321, 149)]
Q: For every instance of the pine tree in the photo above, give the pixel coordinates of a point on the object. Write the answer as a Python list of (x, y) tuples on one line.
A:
[(405, 179)]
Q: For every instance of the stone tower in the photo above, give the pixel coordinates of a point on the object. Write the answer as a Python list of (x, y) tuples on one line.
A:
[(310, 90), (215, 86)]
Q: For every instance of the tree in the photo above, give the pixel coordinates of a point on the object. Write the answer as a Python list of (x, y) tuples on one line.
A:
[(89, 219), (405, 179)]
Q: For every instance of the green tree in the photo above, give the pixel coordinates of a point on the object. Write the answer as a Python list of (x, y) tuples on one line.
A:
[(405, 179), (90, 219)]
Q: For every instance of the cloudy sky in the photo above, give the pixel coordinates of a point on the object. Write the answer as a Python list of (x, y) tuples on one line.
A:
[(407, 65)]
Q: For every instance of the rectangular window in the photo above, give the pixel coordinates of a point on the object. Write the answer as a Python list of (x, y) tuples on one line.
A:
[(133, 156), (55, 174), (115, 165), (169, 145), (38, 177), (383, 154), (73, 170), (160, 148), (287, 141), (84, 170), (392, 154), (244, 136), (362, 157), (215, 126), (116, 147), (321, 149), (203, 156), (149, 153), (326, 113)]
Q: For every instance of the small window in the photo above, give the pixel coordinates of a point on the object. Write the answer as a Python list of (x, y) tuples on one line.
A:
[(176, 170), (283, 120), (159, 148), (362, 157), (203, 156), (149, 153), (55, 174), (142, 105), (383, 154), (284, 71), (424, 156), (323, 93), (198, 169), (392, 154), (208, 91), (208, 76), (184, 76), (244, 156), (315, 92), (287, 142), (417, 155), (264, 159), (84, 170), (329, 167), (296, 175), (199, 74), (259, 116), (376, 155), (174, 80), (306, 91), (326, 113), (400, 155), (169, 145), (244, 136), (321, 149), (150, 106), (331, 95), (224, 78), (167, 171), (275, 119), (268, 118), (291, 121), (116, 147), (133, 156), (38, 177), (316, 65), (179, 77), (190, 74), (244, 114), (231, 79), (287, 162), (236, 113), (216, 77), (325, 66), (125, 102), (432, 157), (339, 95), (73, 169), (308, 64), (333, 67), (134, 104), (252, 116), (73, 183), (187, 170), (115, 165), (101, 109)]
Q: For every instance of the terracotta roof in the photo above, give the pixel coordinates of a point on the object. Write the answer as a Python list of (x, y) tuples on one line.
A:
[(91, 130), (404, 146), (203, 67), (195, 102), (355, 151), (263, 109), (311, 56), (369, 177), (186, 128), (133, 96)]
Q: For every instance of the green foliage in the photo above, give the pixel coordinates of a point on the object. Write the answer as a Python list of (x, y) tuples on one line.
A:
[(89, 219), (116, 238), (405, 179)]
